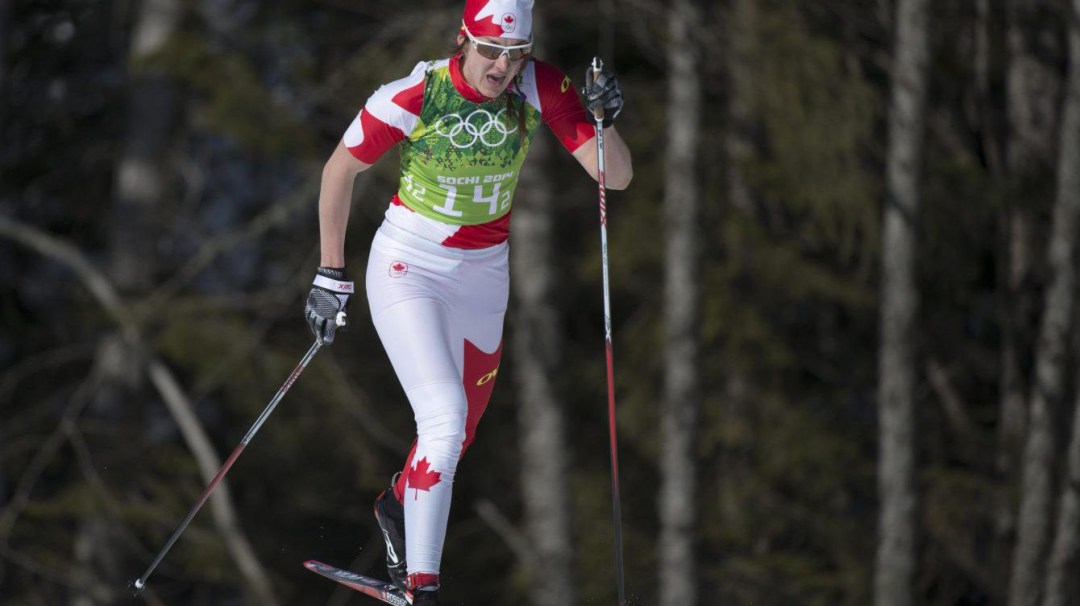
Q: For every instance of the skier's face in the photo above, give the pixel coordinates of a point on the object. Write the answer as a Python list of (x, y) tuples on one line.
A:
[(490, 76)]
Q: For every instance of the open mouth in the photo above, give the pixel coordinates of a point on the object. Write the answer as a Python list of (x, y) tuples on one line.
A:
[(494, 80)]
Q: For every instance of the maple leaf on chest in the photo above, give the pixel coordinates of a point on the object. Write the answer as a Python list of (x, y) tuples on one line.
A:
[(422, 477)]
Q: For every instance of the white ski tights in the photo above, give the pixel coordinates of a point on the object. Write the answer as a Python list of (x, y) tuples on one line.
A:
[(439, 313)]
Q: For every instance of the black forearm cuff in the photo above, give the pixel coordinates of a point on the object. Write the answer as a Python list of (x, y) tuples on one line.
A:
[(336, 273)]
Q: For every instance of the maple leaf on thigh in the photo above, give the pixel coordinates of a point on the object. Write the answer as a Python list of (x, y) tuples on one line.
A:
[(422, 477)]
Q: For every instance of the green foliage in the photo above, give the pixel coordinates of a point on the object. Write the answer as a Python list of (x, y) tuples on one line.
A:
[(788, 306), (819, 115), (230, 96)]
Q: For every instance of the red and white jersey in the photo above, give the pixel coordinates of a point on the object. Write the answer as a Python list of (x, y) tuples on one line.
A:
[(460, 153)]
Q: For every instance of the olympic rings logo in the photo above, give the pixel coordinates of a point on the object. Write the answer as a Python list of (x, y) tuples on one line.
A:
[(477, 126)]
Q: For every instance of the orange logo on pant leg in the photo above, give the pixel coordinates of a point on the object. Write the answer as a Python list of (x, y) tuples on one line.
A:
[(489, 377)]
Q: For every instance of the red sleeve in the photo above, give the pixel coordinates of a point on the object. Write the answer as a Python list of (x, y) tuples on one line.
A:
[(389, 115), (368, 138), (560, 107)]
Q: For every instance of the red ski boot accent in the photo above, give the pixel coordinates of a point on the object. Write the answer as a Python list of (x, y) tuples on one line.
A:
[(423, 580)]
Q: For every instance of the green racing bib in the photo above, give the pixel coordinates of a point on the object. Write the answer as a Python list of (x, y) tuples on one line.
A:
[(460, 164)]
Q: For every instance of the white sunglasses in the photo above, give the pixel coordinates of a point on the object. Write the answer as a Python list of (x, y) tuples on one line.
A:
[(491, 51)]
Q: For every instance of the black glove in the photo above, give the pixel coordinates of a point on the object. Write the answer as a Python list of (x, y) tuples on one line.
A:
[(325, 308), (604, 93)]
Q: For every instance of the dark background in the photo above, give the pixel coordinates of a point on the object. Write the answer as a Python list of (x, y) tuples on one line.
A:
[(249, 98)]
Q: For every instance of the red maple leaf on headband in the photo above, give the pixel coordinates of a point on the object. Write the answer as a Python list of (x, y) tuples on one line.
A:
[(509, 18), (421, 477)]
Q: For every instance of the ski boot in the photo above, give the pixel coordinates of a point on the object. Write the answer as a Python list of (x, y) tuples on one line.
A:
[(423, 597), (390, 514), (425, 589)]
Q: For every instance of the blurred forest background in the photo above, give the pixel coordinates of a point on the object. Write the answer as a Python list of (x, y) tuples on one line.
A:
[(844, 304)]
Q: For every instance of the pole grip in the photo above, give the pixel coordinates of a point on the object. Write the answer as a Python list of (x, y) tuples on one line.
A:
[(591, 75)]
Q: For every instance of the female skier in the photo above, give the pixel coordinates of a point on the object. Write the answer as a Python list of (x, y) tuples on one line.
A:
[(437, 276)]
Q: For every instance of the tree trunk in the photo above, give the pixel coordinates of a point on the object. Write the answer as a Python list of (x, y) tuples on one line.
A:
[(895, 565), (141, 175), (142, 182), (1013, 415), (678, 426), (987, 65), (1038, 457), (5, 13), (1061, 573), (1030, 88), (1061, 582), (537, 348), (738, 141)]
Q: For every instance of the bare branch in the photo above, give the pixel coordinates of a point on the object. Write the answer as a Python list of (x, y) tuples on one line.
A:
[(358, 405), (33, 470), (15, 427), (55, 575), (97, 484), (46, 360), (505, 529), (168, 388), (209, 250), (954, 407)]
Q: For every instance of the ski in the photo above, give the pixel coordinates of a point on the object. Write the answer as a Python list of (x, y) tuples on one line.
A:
[(380, 590)]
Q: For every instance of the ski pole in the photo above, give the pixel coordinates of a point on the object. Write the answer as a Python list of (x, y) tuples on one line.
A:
[(139, 584), (598, 117)]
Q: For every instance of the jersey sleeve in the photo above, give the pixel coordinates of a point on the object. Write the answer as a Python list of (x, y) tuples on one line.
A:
[(560, 107), (388, 117)]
